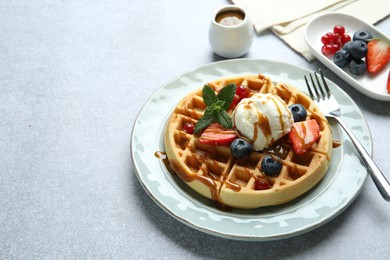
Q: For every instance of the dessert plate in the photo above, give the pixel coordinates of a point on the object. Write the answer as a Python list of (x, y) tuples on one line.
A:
[(330, 197), (373, 86)]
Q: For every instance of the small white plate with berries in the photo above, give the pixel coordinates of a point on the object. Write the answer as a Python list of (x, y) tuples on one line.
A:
[(355, 51)]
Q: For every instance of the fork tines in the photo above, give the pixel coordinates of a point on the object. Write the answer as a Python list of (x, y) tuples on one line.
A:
[(321, 91)]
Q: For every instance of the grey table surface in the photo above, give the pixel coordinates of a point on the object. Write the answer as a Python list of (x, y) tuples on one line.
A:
[(74, 75)]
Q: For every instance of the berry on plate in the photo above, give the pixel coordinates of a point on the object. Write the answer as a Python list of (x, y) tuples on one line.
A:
[(329, 49), (262, 184), (358, 49), (347, 46), (241, 93), (345, 38), (339, 29), (362, 35), (378, 55), (240, 148), (304, 134), (215, 134), (342, 58), (235, 101), (329, 38), (357, 67), (388, 83), (271, 165), (298, 111), (335, 40), (189, 128)]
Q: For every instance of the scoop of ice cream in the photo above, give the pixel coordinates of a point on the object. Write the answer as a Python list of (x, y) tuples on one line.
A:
[(262, 119)]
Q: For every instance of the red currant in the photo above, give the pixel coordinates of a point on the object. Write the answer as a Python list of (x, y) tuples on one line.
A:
[(236, 100), (335, 47), (262, 184), (345, 38), (325, 49), (243, 92), (325, 39), (189, 128), (339, 29), (333, 38), (329, 49)]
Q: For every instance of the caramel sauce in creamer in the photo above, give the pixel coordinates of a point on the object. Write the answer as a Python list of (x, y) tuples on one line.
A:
[(230, 17)]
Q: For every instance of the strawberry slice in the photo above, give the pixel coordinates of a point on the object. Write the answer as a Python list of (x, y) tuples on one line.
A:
[(388, 83), (215, 134), (378, 55), (304, 134)]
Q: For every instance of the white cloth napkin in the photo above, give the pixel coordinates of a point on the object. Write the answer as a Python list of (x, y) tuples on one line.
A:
[(287, 18)]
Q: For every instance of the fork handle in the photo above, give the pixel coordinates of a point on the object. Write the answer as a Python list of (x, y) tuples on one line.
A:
[(377, 176)]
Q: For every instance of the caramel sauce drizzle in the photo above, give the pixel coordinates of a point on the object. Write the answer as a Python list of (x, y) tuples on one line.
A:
[(280, 114), (336, 144), (263, 124), (164, 158), (280, 149), (212, 171), (232, 185)]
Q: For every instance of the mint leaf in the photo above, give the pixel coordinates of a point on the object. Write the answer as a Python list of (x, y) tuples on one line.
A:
[(227, 95), (207, 118), (224, 119), (209, 112), (219, 105), (203, 123), (216, 107), (208, 95)]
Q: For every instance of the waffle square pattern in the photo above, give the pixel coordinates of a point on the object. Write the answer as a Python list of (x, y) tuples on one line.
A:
[(213, 172)]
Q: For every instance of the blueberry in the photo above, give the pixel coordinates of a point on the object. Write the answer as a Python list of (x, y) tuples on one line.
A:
[(342, 58), (299, 112), (240, 148), (362, 35), (347, 46), (358, 49), (357, 67), (271, 165)]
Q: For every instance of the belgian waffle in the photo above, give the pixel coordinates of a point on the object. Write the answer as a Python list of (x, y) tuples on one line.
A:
[(214, 173)]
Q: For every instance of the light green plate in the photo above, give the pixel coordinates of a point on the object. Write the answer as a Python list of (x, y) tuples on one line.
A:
[(330, 197)]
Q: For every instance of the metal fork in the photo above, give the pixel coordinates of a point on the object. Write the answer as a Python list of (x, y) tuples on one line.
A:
[(331, 109)]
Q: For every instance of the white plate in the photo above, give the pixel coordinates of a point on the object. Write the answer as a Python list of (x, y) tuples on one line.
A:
[(333, 194), (373, 86)]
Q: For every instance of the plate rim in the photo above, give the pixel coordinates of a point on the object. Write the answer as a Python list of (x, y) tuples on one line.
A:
[(228, 235)]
